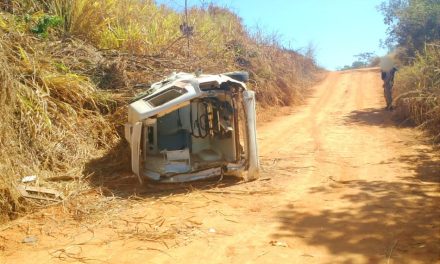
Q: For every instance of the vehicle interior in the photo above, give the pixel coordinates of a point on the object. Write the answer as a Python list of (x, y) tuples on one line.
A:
[(198, 136)]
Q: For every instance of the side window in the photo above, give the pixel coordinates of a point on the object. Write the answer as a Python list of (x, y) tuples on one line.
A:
[(209, 86), (165, 96)]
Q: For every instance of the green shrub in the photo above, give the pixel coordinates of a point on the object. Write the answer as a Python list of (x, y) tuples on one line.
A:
[(44, 23)]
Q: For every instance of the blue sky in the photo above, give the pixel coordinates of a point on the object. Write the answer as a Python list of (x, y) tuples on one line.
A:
[(339, 29)]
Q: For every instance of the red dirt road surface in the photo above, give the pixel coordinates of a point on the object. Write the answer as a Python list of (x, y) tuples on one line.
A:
[(342, 182)]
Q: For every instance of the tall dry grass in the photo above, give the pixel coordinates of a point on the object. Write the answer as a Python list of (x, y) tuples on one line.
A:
[(55, 117), (418, 90), (52, 120)]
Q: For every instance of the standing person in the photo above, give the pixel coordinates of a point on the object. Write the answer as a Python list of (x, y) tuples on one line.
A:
[(388, 70), (388, 82)]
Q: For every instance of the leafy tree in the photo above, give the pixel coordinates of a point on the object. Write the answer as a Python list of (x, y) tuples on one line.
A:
[(358, 64), (365, 57), (363, 60), (411, 23)]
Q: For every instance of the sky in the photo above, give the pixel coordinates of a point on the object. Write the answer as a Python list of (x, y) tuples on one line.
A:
[(338, 29)]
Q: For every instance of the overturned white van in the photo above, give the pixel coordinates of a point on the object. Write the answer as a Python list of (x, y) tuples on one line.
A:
[(194, 126)]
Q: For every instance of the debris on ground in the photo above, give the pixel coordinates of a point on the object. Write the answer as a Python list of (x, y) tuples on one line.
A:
[(61, 178), (40, 193), (30, 178), (276, 243), (30, 239)]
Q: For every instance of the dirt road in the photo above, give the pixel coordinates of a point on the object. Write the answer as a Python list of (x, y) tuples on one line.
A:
[(341, 183)]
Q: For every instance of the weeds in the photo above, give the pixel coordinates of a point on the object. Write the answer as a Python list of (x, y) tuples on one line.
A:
[(43, 25), (418, 90)]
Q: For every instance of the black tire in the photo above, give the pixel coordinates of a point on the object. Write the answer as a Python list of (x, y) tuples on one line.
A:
[(240, 76)]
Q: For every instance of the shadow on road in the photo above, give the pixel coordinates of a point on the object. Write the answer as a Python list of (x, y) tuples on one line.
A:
[(425, 165), (379, 218), (376, 117)]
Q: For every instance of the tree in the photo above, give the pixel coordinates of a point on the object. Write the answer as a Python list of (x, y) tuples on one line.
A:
[(363, 60), (411, 23), (365, 57)]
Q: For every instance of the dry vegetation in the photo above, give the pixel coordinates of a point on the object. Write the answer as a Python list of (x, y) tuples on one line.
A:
[(418, 89), (67, 69), (414, 33)]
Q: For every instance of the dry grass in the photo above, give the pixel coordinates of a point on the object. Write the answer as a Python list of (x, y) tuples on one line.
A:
[(418, 90), (63, 92), (53, 120)]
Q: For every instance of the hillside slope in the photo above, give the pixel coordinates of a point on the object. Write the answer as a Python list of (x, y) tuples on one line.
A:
[(68, 68)]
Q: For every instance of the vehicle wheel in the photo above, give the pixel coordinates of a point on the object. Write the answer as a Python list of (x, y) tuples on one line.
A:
[(240, 76)]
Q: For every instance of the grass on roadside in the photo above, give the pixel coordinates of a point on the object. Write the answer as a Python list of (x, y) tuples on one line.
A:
[(418, 90)]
